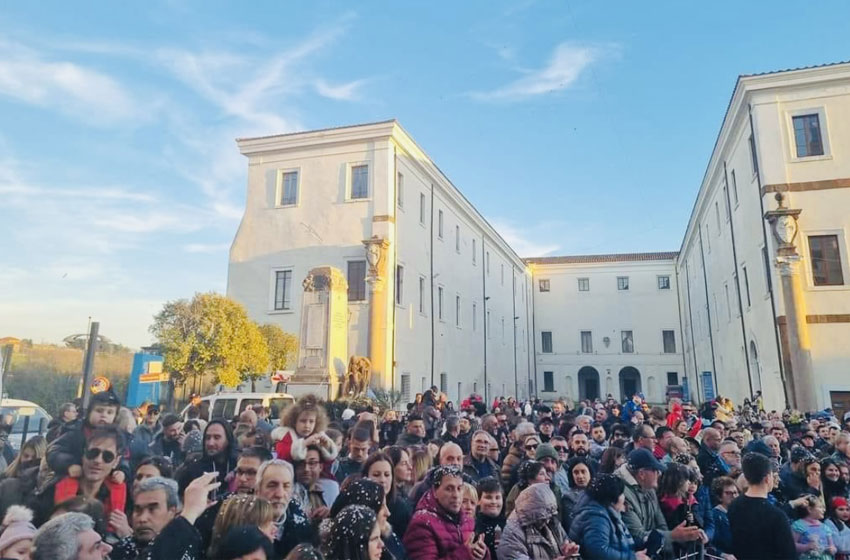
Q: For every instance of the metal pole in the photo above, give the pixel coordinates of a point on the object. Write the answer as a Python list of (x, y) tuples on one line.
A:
[(88, 364), (5, 363)]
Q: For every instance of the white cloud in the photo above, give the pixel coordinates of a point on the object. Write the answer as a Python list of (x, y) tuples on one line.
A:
[(68, 87), (565, 66), (206, 247), (348, 91), (534, 241)]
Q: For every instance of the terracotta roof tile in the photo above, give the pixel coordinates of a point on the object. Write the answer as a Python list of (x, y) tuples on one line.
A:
[(617, 257)]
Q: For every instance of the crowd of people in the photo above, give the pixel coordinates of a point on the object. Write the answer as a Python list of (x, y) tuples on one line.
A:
[(504, 480)]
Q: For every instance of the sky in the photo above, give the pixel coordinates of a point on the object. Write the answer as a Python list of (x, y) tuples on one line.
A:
[(574, 127)]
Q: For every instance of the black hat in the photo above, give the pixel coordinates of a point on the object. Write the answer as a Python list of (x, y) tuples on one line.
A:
[(107, 397), (546, 420), (606, 488), (799, 453), (644, 459)]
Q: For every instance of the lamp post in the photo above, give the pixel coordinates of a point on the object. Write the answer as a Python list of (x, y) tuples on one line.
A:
[(783, 223)]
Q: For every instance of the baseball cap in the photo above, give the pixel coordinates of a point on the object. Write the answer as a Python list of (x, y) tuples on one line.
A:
[(644, 459)]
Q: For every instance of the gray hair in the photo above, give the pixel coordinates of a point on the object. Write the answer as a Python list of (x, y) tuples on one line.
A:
[(57, 539), (167, 485), (524, 429), (261, 472), (582, 417)]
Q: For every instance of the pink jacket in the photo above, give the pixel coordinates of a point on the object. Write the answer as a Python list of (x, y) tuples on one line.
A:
[(435, 534)]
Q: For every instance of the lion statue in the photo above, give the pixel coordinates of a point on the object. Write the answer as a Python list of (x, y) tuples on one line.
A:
[(357, 377)]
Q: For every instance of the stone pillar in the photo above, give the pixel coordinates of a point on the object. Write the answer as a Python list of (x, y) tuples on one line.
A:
[(376, 277), (799, 347)]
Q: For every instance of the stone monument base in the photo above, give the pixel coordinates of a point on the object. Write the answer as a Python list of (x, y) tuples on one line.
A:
[(314, 382)]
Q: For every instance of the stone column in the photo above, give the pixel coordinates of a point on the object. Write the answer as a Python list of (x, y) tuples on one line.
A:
[(376, 249), (799, 346)]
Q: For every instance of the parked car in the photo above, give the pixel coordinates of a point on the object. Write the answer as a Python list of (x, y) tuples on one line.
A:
[(231, 404), (23, 414)]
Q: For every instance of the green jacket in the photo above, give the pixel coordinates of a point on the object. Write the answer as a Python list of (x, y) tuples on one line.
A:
[(643, 513)]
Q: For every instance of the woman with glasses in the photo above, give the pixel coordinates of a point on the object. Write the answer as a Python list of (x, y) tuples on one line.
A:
[(724, 491), (517, 453)]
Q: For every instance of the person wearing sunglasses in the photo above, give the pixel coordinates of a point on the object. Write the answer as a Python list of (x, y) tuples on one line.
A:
[(101, 455)]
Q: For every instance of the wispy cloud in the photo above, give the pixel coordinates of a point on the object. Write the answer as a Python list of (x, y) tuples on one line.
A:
[(68, 87), (565, 66), (348, 91), (206, 247), (534, 241)]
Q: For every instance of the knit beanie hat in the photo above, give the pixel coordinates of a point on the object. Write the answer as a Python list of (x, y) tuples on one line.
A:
[(546, 450), (17, 527)]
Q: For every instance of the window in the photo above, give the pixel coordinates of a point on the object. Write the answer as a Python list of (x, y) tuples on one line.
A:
[(548, 382), (622, 283), (474, 251), (282, 290), (672, 378), (400, 190), (488, 263), (399, 284), (457, 239), (584, 284), (457, 311), (766, 259), (474, 316), (628, 343), (754, 161), (487, 326), (826, 260), (444, 382), (440, 224), (663, 282), (545, 342), (440, 302), (717, 215), (807, 135), (735, 187), (746, 285), (421, 294), (707, 238), (726, 202), (586, 342), (737, 300), (669, 338), (288, 188), (359, 181), (356, 280), (422, 208), (405, 387), (728, 304), (543, 285), (503, 329)]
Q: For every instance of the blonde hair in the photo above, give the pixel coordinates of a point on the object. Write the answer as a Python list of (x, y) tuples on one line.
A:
[(307, 403), (469, 490), (39, 446), (422, 461), (239, 511)]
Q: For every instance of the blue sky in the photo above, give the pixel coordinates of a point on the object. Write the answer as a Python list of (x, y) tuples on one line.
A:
[(574, 127)]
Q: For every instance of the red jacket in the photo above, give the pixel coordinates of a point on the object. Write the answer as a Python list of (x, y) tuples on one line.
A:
[(435, 534), (68, 488)]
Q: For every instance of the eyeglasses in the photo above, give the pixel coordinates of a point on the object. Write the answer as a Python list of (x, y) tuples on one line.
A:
[(560, 449), (93, 453), (531, 447), (735, 453), (246, 472)]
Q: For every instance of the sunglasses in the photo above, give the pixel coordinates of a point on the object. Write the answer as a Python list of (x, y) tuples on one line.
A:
[(531, 446), (93, 453), (560, 449)]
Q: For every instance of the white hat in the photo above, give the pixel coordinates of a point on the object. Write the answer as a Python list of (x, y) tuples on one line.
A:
[(347, 414)]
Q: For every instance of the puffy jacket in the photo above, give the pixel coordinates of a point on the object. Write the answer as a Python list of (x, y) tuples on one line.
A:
[(533, 530), (436, 534), (515, 456), (643, 513), (600, 532)]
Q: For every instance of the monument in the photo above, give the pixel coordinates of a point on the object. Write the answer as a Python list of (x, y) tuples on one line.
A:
[(323, 342)]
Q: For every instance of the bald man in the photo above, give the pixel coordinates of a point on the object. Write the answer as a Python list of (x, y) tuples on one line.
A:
[(450, 455), (708, 459)]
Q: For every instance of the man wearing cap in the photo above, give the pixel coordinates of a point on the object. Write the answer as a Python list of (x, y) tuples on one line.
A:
[(144, 435), (643, 514), (545, 427), (792, 476)]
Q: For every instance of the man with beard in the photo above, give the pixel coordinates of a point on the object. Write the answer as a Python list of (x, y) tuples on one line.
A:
[(580, 447), (169, 441), (464, 437), (219, 456), (155, 504), (247, 467), (275, 482), (546, 428), (598, 440), (314, 496), (619, 435)]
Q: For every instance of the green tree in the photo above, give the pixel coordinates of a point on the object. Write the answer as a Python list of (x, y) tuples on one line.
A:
[(209, 335), (283, 347)]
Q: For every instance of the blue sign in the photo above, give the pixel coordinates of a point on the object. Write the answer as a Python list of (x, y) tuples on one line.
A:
[(138, 390), (708, 385), (686, 393)]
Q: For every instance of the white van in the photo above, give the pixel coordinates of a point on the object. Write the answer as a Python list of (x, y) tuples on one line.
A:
[(20, 410), (229, 405)]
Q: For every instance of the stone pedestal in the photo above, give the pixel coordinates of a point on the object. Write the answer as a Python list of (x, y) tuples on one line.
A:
[(323, 342), (802, 377), (379, 302)]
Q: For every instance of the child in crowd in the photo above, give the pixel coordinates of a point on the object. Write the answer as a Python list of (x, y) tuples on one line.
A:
[(837, 523), (813, 538), (304, 424), (490, 518)]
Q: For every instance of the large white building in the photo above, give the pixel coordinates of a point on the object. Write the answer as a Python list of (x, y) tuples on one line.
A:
[(783, 132), (461, 310), (607, 324), (457, 297)]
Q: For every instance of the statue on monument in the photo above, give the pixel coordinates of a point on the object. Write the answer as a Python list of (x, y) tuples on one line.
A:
[(357, 377)]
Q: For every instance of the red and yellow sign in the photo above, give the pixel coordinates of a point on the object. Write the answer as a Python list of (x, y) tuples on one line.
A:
[(99, 385)]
